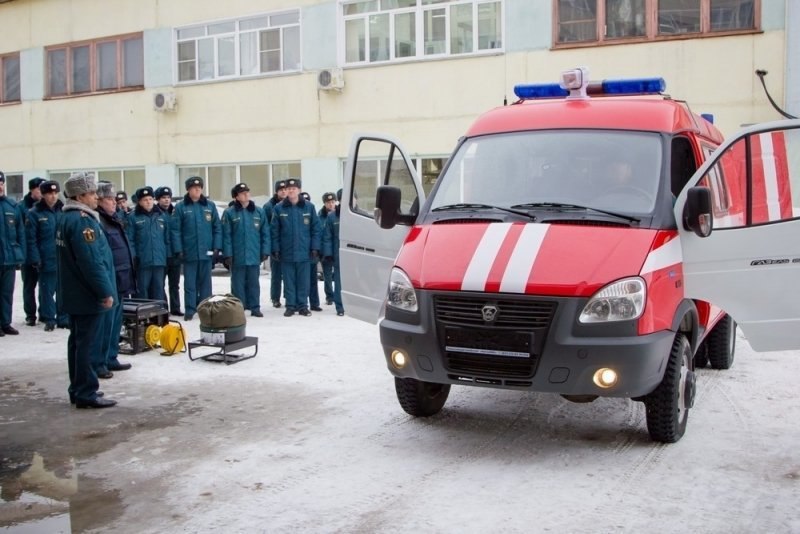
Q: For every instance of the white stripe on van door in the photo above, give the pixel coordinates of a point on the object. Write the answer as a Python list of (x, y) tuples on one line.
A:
[(770, 177)]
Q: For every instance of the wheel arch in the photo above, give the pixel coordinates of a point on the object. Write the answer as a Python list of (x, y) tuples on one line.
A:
[(686, 321)]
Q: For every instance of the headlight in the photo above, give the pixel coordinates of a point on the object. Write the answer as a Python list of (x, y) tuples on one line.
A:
[(401, 293), (621, 301)]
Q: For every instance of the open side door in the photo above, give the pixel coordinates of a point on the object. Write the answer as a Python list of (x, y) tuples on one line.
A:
[(366, 251), (749, 262)]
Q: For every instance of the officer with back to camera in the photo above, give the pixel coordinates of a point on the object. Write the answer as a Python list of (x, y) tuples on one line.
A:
[(275, 265), (12, 255), (86, 285), (328, 207), (30, 276), (196, 241), (41, 235), (163, 197), (245, 245)]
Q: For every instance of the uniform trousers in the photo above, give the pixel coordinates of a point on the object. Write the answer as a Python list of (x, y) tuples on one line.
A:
[(47, 299), (82, 343), (173, 274), (196, 284), (112, 326), (313, 286), (245, 285), (275, 280), (295, 283), (150, 283), (30, 277), (327, 277), (8, 275), (337, 287)]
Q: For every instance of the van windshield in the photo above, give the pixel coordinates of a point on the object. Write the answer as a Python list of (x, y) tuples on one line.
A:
[(601, 169)]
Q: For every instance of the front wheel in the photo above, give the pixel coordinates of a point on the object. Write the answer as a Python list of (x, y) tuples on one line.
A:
[(667, 407), (421, 399)]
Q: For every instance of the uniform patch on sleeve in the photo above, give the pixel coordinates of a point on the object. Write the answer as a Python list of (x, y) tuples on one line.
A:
[(89, 235)]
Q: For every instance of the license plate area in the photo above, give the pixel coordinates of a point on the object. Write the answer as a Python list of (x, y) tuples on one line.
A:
[(488, 343)]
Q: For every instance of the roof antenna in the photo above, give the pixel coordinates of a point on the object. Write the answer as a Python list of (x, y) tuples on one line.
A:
[(761, 73)]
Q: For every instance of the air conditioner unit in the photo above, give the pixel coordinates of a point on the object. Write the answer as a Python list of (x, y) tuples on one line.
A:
[(330, 79), (165, 102)]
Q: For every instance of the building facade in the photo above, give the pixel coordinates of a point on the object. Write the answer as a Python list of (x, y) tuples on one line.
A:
[(150, 92)]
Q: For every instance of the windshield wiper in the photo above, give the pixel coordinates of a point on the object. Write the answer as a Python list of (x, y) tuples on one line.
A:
[(559, 205), (471, 206)]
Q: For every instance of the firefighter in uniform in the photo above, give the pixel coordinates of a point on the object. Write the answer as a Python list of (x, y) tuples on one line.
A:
[(149, 236), (245, 245), (313, 281), (122, 207), (330, 249), (163, 197), (328, 206), (86, 286), (12, 255), (275, 265), (295, 243), (196, 241), (40, 231), (30, 276)]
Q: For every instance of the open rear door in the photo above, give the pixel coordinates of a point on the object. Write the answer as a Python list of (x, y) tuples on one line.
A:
[(366, 251), (749, 265)]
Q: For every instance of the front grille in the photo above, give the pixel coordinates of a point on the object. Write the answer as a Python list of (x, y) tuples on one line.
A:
[(498, 351), (523, 313)]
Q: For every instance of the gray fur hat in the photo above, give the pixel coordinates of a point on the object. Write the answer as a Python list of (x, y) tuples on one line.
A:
[(79, 183), (106, 190)]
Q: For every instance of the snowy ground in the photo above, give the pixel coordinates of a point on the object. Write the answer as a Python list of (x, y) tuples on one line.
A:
[(308, 437)]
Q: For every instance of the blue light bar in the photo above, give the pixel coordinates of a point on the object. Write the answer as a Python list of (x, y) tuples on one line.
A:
[(708, 116), (634, 86), (531, 91)]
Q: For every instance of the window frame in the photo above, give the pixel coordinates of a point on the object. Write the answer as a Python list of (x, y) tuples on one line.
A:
[(3, 59), (237, 34), (94, 76), (421, 11), (651, 26), (202, 170)]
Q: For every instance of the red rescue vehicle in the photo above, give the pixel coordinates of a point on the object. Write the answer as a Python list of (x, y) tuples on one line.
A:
[(567, 247)]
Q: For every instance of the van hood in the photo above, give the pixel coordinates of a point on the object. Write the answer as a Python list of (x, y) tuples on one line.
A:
[(524, 258)]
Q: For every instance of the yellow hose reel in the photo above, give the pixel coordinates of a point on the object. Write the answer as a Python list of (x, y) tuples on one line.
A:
[(170, 337)]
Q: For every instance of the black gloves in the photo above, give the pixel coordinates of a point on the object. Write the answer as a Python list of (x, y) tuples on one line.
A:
[(227, 262), (179, 256), (37, 267), (135, 264), (328, 259), (315, 255), (264, 257), (276, 256)]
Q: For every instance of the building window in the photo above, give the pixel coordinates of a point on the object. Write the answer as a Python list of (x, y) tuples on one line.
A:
[(99, 66), (592, 21), (389, 30), (128, 180), (245, 47), (9, 78), (259, 177), (370, 174)]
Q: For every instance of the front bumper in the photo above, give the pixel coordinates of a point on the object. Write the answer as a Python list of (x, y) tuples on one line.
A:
[(558, 355)]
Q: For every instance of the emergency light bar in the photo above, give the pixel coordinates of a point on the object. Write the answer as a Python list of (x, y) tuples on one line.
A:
[(575, 84)]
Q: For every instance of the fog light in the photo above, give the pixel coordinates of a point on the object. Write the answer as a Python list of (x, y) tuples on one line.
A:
[(605, 378), (399, 359)]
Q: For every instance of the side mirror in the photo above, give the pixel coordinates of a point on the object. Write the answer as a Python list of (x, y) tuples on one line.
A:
[(387, 206), (697, 215)]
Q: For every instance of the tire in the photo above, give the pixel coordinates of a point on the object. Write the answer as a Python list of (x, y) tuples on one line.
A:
[(421, 399), (667, 407), (701, 357), (721, 343)]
